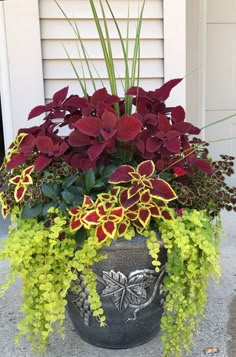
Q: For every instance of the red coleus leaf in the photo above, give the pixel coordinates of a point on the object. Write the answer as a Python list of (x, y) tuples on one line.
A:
[(121, 174), (109, 121), (95, 150), (77, 139), (89, 125), (164, 92), (173, 145), (101, 95), (203, 166), (144, 215), (136, 91), (76, 101), (28, 144), (178, 114), (62, 149), (146, 168), (40, 109), (162, 189), (163, 123), (178, 171), (16, 160), (128, 127), (60, 95), (44, 144), (153, 144), (41, 162), (183, 127)]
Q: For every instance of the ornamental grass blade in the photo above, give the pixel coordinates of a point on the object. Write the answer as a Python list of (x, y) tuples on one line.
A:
[(105, 44)]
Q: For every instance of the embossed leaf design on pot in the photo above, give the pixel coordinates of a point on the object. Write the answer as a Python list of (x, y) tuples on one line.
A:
[(124, 291)]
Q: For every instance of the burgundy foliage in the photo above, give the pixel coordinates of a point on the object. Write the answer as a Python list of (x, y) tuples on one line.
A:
[(98, 135)]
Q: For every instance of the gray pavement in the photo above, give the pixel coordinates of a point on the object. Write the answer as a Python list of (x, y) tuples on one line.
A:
[(213, 332)]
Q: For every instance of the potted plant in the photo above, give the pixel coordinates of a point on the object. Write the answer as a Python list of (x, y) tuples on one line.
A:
[(118, 220)]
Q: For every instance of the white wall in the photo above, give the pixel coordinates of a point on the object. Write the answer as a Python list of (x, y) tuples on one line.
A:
[(22, 52)]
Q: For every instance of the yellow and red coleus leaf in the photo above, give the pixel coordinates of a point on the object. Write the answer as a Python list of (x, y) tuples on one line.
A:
[(116, 214), (145, 196), (101, 234), (15, 180), (144, 216), (121, 174), (92, 217), (123, 226), (19, 192), (87, 202), (146, 168), (75, 223), (109, 228), (126, 201), (162, 189), (5, 207)]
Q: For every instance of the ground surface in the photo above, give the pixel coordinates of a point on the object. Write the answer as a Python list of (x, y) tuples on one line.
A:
[(218, 330)]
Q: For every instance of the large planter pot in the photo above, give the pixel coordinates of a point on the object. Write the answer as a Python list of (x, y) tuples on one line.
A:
[(131, 294)]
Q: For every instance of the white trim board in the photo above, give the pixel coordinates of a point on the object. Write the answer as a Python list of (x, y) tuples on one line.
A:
[(5, 84), (175, 47), (21, 61)]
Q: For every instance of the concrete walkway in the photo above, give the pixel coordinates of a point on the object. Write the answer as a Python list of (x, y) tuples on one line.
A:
[(216, 331)]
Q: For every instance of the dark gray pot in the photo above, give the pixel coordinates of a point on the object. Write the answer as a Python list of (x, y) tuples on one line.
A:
[(131, 294)]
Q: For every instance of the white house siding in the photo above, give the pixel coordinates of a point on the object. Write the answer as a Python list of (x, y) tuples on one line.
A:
[(56, 33)]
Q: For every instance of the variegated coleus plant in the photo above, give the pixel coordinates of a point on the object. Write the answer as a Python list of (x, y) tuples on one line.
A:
[(113, 212)]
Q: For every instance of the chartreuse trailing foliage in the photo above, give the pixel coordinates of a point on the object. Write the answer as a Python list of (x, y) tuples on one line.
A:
[(192, 243)]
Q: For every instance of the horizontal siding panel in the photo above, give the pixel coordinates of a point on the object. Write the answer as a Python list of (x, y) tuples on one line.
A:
[(56, 33), (52, 86), (58, 69), (60, 29), (81, 8), (55, 49)]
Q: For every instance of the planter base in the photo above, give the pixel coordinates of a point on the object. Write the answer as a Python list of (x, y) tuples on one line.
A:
[(131, 294)]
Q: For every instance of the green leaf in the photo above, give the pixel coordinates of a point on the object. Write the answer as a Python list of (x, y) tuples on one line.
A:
[(107, 171), (89, 180), (51, 191), (67, 196), (99, 184), (69, 181), (30, 212), (80, 236)]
